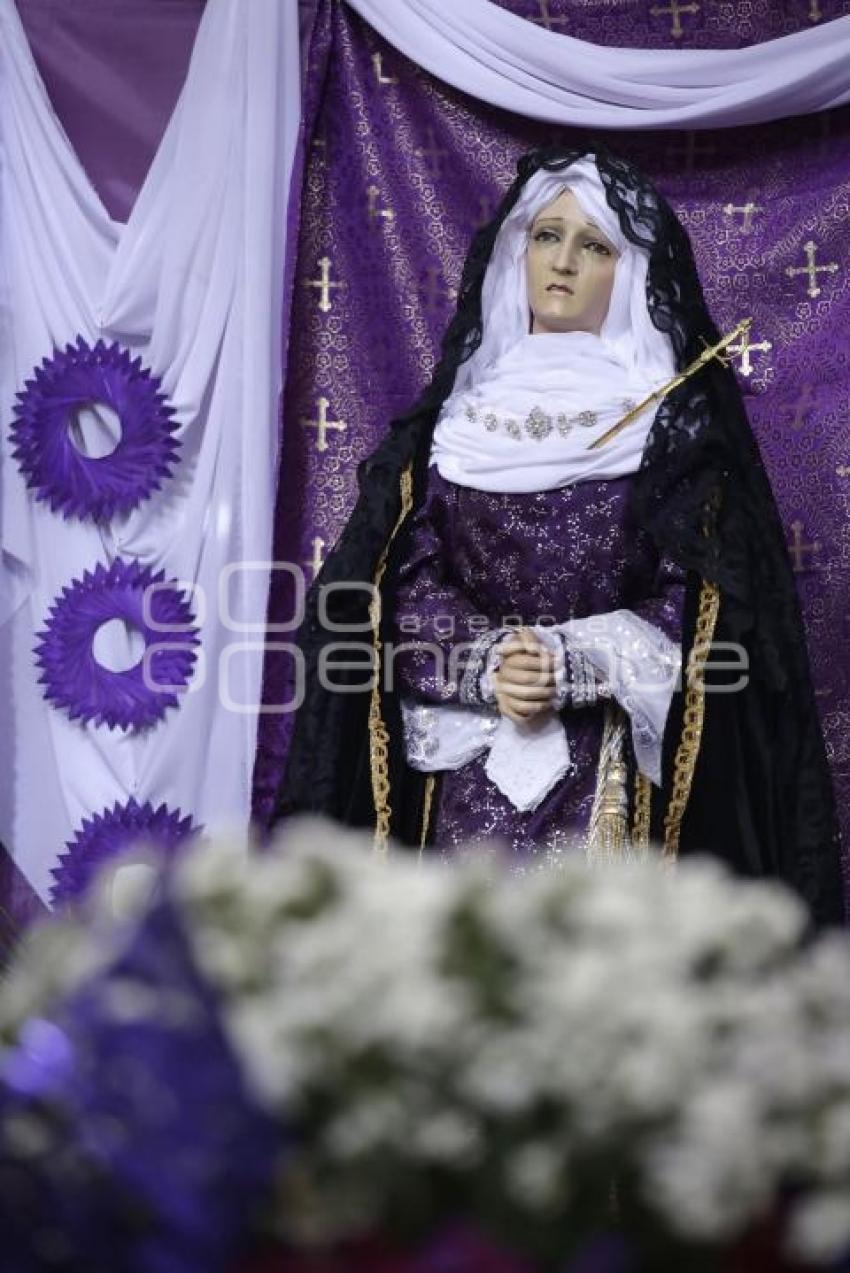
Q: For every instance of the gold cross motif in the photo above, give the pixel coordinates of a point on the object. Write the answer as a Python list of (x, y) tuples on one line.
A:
[(322, 424), (546, 20), (811, 269), (432, 154), (798, 548), (749, 209), (436, 294), (802, 407), (378, 64), (324, 284), (815, 14), (843, 470), (317, 560), (675, 9), (744, 348), (376, 213), (691, 151)]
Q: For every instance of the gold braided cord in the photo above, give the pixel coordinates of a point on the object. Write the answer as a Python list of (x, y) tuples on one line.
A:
[(379, 738), (643, 809), (687, 752), (426, 810)]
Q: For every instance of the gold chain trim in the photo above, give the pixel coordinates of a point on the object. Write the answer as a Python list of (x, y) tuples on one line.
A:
[(379, 738), (694, 716), (643, 809), (430, 782)]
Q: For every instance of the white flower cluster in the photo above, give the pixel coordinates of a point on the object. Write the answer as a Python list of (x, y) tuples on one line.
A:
[(423, 1022)]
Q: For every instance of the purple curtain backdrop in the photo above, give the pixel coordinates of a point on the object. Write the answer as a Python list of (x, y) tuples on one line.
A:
[(401, 169), (113, 70)]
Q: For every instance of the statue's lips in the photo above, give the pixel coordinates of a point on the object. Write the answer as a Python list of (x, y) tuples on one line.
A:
[(560, 287)]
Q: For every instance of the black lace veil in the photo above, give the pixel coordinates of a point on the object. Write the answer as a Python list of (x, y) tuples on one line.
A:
[(703, 494)]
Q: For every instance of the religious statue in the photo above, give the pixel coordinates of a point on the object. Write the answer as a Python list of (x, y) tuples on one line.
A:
[(562, 611)]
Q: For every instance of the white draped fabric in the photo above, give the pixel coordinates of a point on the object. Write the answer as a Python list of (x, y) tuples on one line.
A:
[(510, 62), (193, 285)]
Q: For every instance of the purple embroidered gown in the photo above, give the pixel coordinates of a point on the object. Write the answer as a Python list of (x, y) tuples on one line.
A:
[(547, 556)]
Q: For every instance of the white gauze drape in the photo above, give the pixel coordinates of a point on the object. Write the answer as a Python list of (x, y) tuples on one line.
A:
[(510, 62), (193, 285)]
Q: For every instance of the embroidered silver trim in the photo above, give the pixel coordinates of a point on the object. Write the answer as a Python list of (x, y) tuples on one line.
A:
[(582, 679)]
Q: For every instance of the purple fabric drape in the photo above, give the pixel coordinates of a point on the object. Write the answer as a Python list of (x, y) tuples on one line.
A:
[(113, 70), (400, 171)]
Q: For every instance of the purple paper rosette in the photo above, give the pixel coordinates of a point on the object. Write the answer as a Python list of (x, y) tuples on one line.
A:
[(83, 486), (105, 836), (139, 696)]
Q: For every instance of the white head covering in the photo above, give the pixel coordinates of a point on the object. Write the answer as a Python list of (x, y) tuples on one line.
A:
[(524, 407)]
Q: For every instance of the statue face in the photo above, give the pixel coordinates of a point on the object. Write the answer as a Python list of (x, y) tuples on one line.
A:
[(570, 267)]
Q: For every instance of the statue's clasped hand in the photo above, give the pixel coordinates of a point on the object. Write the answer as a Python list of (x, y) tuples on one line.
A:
[(524, 681)]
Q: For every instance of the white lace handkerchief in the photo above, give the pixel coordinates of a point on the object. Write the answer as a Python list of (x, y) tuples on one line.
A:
[(526, 761)]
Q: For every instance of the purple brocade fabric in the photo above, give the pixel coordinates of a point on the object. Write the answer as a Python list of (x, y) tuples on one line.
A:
[(400, 171), (539, 558)]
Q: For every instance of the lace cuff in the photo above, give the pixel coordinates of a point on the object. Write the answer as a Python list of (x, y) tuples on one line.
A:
[(577, 683), (639, 666), (584, 686)]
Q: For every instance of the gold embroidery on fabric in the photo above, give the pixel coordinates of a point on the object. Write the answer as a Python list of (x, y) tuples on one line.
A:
[(799, 548), (376, 211), (321, 424), (324, 284), (378, 65), (317, 559), (744, 347), (547, 19), (812, 269), (694, 715), (675, 9), (749, 210), (379, 738), (643, 809), (430, 782)]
